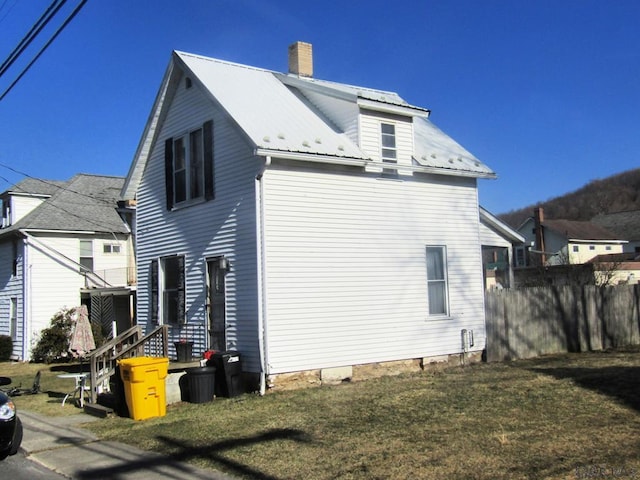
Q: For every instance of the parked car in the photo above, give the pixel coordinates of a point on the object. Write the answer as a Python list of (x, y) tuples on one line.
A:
[(10, 426)]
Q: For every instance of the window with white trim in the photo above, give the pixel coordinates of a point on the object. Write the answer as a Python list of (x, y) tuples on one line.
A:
[(168, 290), (13, 318), (111, 248), (189, 166), (437, 287), (86, 256), (389, 152)]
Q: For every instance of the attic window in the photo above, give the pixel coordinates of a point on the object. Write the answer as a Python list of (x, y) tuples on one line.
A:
[(187, 82), (189, 166), (388, 136)]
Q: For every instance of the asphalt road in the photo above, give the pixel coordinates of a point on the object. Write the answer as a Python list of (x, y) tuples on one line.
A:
[(18, 467)]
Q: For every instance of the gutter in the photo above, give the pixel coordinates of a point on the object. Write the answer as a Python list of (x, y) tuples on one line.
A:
[(365, 162), (26, 304)]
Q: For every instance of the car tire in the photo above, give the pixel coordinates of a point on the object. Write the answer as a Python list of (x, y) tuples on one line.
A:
[(17, 438)]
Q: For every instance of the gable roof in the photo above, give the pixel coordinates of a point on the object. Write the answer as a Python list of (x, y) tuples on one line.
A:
[(270, 108), (86, 203), (501, 228), (625, 224), (582, 231), (34, 187)]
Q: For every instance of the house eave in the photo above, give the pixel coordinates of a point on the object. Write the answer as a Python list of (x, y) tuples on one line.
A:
[(362, 162), (392, 108), (501, 227), (602, 242), (29, 231)]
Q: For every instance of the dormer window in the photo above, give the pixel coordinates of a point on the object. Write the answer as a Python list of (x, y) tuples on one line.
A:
[(388, 135)]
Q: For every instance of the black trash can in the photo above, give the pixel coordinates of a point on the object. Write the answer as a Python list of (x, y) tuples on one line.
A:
[(229, 382), (200, 384)]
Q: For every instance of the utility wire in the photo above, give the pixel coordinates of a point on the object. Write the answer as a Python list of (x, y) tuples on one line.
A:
[(46, 45), (8, 9), (51, 184), (33, 33)]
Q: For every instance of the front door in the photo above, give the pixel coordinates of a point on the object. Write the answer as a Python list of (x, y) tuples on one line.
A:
[(217, 306)]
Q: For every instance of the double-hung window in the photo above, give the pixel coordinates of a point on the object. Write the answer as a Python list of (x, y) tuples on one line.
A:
[(437, 287), (388, 136), (168, 290), (86, 256), (189, 166)]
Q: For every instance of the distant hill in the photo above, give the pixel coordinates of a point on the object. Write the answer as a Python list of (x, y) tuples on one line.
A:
[(620, 192)]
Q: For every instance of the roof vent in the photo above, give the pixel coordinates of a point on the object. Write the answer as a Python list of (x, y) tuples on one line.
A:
[(301, 59)]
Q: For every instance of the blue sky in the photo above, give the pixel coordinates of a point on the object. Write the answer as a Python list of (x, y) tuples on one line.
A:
[(546, 92)]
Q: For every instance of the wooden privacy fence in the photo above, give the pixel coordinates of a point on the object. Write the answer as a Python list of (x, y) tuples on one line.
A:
[(528, 322)]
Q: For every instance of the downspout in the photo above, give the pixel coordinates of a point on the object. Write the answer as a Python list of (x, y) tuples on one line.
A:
[(26, 303), (262, 288)]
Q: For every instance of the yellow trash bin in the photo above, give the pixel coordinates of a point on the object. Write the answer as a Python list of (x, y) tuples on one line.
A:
[(144, 387)]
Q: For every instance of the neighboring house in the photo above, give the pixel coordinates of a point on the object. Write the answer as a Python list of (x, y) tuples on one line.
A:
[(309, 225), (623, 224), (563, 242), (62, 244), (499, 242)]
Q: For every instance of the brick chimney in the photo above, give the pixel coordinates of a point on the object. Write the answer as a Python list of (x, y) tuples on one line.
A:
[(538, 216), (301, 59)]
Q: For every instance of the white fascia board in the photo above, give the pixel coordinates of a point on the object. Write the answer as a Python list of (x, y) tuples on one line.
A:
[(501, 227), (29, 231), (357, 162), (600, 242), (310, 157), (393, 108)]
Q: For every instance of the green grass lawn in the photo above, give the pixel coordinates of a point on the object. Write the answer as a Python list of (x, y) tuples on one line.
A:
[(558, 417)]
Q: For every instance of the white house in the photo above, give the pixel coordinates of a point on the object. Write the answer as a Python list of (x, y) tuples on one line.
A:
[(61, 244), (562, 242), (312, 226), (499, 242)]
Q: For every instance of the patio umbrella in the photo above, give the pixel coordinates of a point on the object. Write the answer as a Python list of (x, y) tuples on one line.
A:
[(82, 341)]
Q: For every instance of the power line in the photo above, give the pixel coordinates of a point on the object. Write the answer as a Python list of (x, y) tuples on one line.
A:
[(51, 184), (8, 10), (46, 45), (28, 38)]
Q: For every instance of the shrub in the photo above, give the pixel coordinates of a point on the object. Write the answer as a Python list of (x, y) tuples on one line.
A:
[(6, 348), (53, 344)]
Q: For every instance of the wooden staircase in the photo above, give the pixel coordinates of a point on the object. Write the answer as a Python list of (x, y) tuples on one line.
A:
[(103, 360)]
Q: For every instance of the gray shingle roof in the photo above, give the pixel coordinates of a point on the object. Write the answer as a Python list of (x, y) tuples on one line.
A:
[(580, 230), (35, 186), (84, 203)]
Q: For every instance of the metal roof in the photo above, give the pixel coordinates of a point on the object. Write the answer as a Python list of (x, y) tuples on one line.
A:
[(86, 203), (268, 112), (269, 108)]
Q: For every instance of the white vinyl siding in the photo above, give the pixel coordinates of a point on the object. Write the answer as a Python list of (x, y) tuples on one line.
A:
[(345, 266), (11, 295), (437, 280), (21, 206), (224, 226), (371, 137), (488, 237)]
